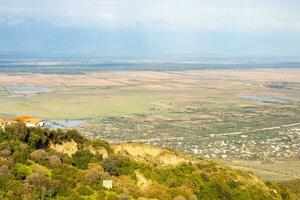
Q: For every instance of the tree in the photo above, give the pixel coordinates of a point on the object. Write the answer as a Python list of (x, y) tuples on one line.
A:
[(112, 165), (74, 135), (37, 139), (45, 186), (20, 153), (39, 155), (84, 190), (81, 159), (92, 176), (17, 131)]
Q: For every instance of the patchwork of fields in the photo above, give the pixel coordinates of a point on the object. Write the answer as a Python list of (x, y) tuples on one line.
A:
[(229, 114)]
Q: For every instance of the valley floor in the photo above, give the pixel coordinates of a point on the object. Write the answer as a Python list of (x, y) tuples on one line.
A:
[(246, 115), (275, 171)]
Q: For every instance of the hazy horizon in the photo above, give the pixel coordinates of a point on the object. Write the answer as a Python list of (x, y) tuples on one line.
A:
[(251, 28)]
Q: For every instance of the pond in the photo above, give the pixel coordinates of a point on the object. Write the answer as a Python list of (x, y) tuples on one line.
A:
[(64, 123), (24, 90), (266, 99)]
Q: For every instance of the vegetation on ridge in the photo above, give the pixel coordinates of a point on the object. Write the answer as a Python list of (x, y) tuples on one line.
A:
[(30, 169)]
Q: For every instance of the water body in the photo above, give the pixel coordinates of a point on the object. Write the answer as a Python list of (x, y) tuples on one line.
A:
[(90, 65), (54, 124), (265, 99), (22, 91)]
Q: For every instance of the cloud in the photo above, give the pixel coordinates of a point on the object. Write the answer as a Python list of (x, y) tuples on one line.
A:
[(150, 26), (246, 15)]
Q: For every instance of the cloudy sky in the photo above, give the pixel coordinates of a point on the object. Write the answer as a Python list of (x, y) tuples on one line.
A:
[(141, 27)]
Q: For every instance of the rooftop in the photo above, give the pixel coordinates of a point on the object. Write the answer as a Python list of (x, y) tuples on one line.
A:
[(2, 120), (27, 119)]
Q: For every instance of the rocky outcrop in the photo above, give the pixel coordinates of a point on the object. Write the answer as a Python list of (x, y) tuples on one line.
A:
[(68, 148), (150, 154)]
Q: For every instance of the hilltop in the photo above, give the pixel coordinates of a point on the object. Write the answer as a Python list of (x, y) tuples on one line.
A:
[(39, 163)]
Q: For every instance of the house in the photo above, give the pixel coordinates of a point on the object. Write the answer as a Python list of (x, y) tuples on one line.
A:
[(28, 121), (2, 122)]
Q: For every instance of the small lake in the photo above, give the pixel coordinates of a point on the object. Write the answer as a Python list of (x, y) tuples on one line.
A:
[(24, 90), (265, 99), (64, 123)]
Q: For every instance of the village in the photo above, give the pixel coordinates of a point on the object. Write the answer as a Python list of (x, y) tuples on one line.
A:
[(277, 145)]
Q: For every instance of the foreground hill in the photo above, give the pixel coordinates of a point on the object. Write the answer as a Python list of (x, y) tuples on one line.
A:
[(38, 163)]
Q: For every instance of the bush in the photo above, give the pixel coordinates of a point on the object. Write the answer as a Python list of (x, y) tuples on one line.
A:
[(84, 190), (101, 143), (5, 149), (112, 196), (37, 139), (100, 195), (81, 159), (5, 172), (17, 132), (20, 152), (92, 176), (73, 196), (124, 196), (28, 192), (20, 156), (179, 197), (112, 165), (39, 155), (54, 161), (45, 186), (74, 135)]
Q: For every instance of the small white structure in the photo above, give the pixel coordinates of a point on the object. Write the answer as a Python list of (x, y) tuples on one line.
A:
[(29, 121), (107, 184)]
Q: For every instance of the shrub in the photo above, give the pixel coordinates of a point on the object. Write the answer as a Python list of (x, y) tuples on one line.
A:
[(28, 192), (37, 139), (74, 135), (45, 186), (179, 197), (5, 171), (92, 176), (100, 195), (17, 131), (20, 156), (5, 149), (57, 136), (101, 143), (84, 190), (39, 155), (124, 196), (81, 159), (112, 196), (72, 195), (54, 161), (112, 165)]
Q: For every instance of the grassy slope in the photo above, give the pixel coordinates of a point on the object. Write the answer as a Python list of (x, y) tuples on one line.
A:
[(29, 169)]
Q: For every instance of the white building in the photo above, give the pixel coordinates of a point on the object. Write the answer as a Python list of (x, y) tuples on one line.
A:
[(28, 121), (107, 184)]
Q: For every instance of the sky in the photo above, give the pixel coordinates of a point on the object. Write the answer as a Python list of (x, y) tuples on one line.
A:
[(233, 28)]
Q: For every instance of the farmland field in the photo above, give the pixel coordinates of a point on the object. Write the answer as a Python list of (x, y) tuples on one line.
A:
[(219, 114)]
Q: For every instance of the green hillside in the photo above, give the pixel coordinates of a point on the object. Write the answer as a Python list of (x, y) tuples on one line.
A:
[(38, 163)]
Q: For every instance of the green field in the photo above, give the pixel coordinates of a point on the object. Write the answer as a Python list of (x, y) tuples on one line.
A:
[(179, 110)]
